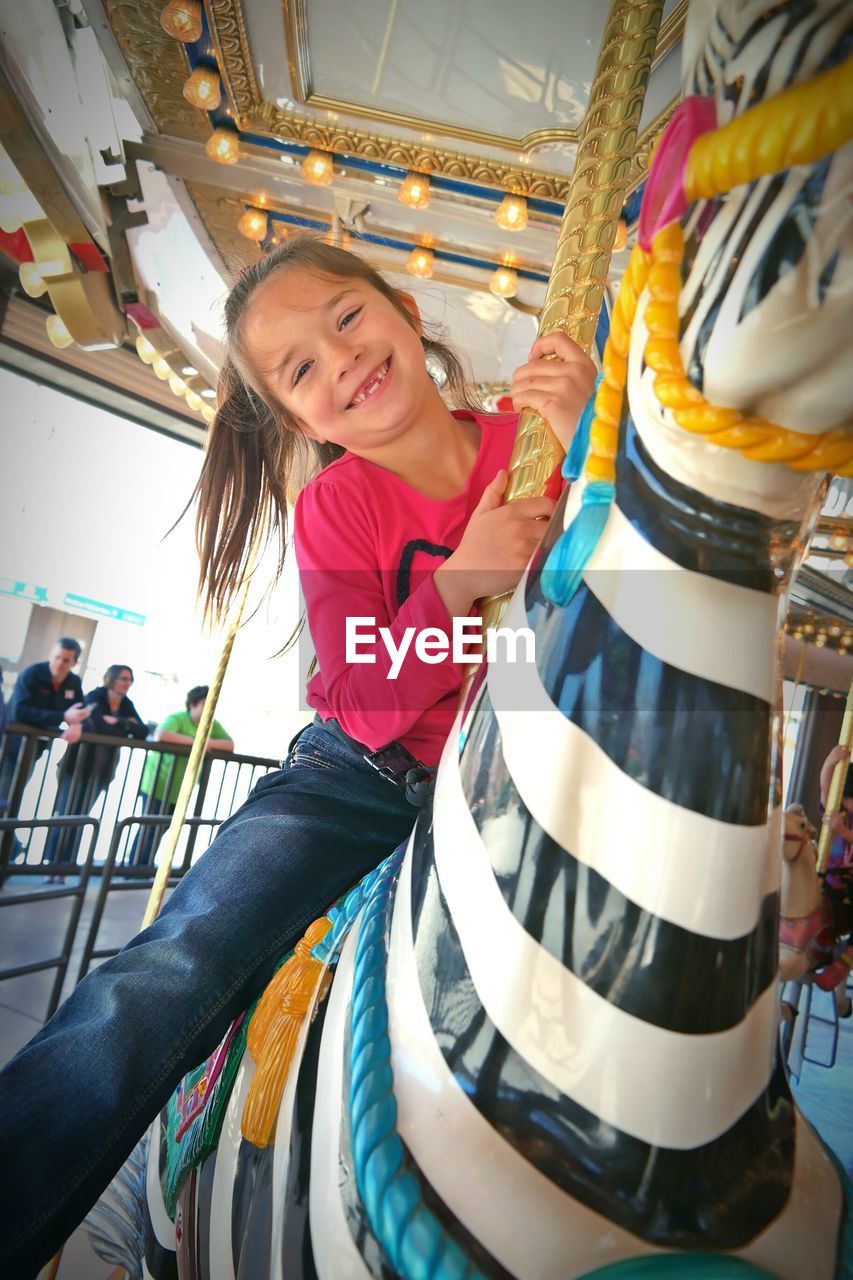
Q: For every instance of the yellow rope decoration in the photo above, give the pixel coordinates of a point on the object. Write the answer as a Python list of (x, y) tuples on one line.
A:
[(800, 125), (274, 1031), (604, 429), (750, 435)]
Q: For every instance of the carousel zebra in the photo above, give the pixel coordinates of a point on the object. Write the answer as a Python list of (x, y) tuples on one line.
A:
[(549, 1048)]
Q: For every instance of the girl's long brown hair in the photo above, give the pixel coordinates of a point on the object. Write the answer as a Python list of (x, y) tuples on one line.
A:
[(256, 457)]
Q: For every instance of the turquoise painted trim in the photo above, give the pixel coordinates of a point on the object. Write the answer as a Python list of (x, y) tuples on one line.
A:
[(414, 1241), (571, 553), (573, 463), (342, 916)]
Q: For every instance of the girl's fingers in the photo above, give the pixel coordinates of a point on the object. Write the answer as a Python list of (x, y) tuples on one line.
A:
[(560, 345), (564, 389), (534, 398), (555, 371)]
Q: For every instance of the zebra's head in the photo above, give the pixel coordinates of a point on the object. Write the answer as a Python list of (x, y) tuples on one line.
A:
[(764, 314)]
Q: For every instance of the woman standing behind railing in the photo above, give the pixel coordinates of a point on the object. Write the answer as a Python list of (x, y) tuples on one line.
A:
[(87, 769)]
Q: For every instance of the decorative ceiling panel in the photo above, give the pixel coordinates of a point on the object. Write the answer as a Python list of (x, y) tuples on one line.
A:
[(462, 68)]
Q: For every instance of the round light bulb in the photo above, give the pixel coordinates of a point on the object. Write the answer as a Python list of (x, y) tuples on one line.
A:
[(253, 225), (511, 213), (195, 401), (203, 89), (32, 280), (181, 19), (504, 282), (317, 168), (208, 412), (57, 332), (146, 352), (414, 191), (223, 146), (162, 369), (420, 263), (177, 385)]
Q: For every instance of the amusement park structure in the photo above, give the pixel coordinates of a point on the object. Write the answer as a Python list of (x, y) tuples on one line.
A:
[(541, 1039)]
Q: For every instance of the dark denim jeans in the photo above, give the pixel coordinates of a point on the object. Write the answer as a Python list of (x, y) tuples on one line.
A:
[(77, 1098)]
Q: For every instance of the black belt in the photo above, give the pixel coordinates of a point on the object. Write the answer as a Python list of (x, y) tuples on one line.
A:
[(395, 763)]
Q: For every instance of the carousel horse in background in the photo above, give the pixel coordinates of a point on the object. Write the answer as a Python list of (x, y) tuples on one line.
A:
[(549, 1046), (808, 930)]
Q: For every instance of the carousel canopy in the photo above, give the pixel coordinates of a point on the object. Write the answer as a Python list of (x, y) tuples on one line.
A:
[(151, 151)]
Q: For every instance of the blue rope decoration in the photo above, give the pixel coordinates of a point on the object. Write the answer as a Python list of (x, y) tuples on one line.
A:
[(571, 553), (579, 448), (416, 1244), (342, 915)]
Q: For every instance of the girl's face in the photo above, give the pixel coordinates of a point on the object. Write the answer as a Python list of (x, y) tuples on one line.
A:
[(339, 357), (122, 682)]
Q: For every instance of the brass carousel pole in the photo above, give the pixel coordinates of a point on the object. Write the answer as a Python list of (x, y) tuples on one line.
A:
[(158, 889), (597, 190), (836, 787)]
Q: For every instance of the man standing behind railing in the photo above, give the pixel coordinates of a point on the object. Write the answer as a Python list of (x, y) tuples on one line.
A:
[(163, 774), (46, 695)]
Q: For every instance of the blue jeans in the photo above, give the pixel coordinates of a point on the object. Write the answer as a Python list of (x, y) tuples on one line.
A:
[(79, 1096), (84, 773), (147, 839)]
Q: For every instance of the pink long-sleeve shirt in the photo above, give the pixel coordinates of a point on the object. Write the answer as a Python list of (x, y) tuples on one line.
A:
[(367, 546)]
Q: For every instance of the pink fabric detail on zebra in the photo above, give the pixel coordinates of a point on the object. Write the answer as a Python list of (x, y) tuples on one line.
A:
[(664, 200)]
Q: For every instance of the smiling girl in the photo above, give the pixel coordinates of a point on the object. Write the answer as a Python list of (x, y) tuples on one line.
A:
[(405, 524)]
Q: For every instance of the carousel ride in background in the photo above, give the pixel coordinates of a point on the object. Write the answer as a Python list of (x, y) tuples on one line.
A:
[(148, 152)]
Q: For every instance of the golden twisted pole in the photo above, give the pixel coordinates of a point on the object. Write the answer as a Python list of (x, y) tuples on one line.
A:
[(836, 787), (170, 844), (597, 192)]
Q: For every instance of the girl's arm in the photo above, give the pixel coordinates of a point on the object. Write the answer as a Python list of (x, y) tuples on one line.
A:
[(836, 755), (377, 697), (380, 692)]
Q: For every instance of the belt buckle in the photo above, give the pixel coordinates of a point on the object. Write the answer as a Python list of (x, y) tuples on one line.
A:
[(393, 762)]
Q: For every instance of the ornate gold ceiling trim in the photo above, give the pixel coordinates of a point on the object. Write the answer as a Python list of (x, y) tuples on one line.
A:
[(158, 65), (255, 116), (435, 161), (671, 31), (639, 165), (299, 66), (159, 68), (220, 214)]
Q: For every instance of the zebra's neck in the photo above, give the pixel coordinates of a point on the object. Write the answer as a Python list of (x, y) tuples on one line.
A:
[(599, 889), (702, 532), (711, 473)]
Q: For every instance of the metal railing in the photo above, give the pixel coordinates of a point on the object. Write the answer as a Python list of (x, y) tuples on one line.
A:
[(75, 893), (54, 792), (42, 777)]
